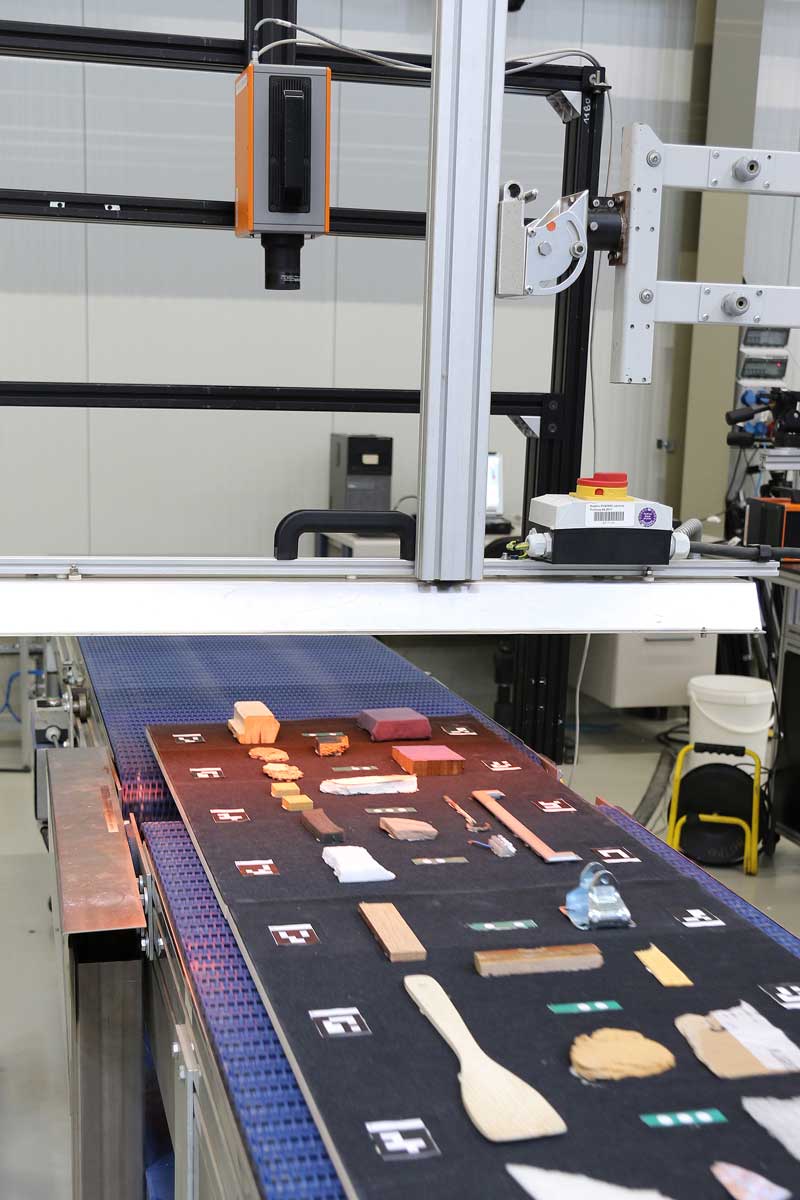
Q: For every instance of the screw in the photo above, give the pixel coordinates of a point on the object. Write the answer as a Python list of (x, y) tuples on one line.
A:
[(646, 296), (704, 316), (715, 154), (706, 291), (159, 946), (577, 249), (609, 203), (528, 291), (593, 226), (143, 945), (552, 427), (765, 183), (552, 405), (530, 231), (757, 320), (544, 249), (175, 1049), (714, 182), (595, 203), (653, 159), (759, 291)]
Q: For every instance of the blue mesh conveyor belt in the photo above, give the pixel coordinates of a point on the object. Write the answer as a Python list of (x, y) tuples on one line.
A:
[(141, 681)]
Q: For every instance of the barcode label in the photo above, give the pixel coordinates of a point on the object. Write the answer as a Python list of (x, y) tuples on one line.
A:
[(609, 514)]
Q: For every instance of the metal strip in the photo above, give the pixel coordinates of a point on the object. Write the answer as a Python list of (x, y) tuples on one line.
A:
[(463, 187)]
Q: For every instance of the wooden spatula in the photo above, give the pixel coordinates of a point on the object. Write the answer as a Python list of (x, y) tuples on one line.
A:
[(500, 1105)]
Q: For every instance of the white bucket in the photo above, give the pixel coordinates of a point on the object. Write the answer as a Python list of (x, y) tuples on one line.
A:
[(732, 710)]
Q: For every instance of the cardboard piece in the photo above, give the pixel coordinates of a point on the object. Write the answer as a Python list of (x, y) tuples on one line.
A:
[(404, 829), (428, 760), (619, 1054), (537, 960), (326, 831), (393, 724), (269, 754), (737, 1043), (369, 785), (780, 1118), (662, 967), (746, 1185), (253, 724), (501, 1106), (559, 1185), (398, 940), (299, 803)]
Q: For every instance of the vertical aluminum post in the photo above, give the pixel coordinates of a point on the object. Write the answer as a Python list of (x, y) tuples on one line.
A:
[(463, 191)]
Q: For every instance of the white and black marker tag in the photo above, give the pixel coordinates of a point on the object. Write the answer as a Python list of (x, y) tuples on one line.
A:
[(785, 994), (339, 1022), (614, 855), (188, 739), (499, 764), (697, 918), (229, 816), (402, 1141), (300, 933), (256, 866), (455, 730), (557, 805), (207, 772)]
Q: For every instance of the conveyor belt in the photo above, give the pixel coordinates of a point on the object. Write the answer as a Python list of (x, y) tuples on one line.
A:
[(143, 680)]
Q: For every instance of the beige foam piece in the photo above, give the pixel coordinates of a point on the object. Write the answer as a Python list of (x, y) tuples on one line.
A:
[(282, 771), (619, 1054), (501, 1106), (662, 967), (284, 787), (406, 830), (269, 754), (253, 723), (300, 803)]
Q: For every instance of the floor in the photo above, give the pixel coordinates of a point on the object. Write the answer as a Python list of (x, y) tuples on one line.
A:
[(618, 756)]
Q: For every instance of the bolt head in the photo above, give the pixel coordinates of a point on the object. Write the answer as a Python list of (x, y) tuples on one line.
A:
[(766, 184), (706, 291), (653, 159), (703, 316), (756, 320), (595, 203), (715, 154), (714, 182), (175, 1049), (544, 249), (529, 291), (593, 226), (759, 291), (646, 296)]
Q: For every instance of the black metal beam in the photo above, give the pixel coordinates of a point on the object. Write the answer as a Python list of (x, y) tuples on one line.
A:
[(188, 214), (240, 399), (34, 39)]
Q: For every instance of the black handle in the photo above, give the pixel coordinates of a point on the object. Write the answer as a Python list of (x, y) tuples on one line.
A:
[(714, 748), (746, 412), (324, 520)]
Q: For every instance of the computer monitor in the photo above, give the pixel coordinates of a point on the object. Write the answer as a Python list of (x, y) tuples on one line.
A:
[(494, 484)]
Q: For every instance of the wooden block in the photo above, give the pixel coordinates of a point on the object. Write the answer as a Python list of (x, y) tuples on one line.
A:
[(269, 754), (322, 827), (253, 723), (393, 724), (282, 771), (296, 803), (398, 940), (404, 829), (428, 760), (524, 961), (284, 787), (330, 745)]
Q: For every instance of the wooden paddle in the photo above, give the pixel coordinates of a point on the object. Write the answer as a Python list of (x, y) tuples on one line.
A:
[(500, 1105)]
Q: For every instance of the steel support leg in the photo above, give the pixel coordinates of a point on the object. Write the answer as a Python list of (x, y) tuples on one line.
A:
[(463, 189)]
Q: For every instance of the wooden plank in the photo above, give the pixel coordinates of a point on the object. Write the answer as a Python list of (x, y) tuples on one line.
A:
[(395, 936), (406, 829), (491, 800), (428, 760), (664, 969), (318, 823), (584, 956)]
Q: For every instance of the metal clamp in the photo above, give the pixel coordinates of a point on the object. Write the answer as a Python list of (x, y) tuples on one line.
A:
[(543, 256), (596, 903)]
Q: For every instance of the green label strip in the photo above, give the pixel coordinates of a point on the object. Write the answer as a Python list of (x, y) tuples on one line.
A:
[(346, 768), (324, 733), (501, 926), (587, 1006), (691, 1116)]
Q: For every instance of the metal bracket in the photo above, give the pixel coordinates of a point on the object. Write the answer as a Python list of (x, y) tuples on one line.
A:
[(185, 1078), (596, 903), (544, 256)]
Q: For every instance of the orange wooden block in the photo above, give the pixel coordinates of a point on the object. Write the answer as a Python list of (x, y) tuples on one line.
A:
[(428, 760), (253, 723), (284, 787), (329, 745), (296, 803)]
